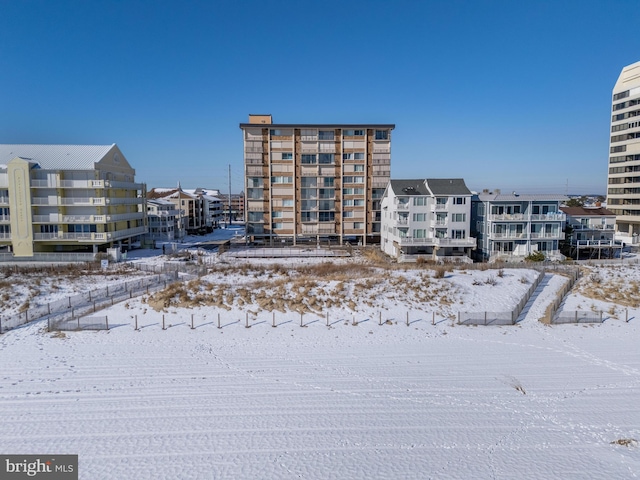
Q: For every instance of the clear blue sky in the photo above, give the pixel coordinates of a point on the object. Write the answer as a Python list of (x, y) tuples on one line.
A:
[(506, 94)]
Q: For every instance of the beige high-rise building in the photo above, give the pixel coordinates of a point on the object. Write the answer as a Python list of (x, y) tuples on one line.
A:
[(315, 181), (623, 189)]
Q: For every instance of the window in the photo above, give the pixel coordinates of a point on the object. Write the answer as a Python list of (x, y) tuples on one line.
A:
[(277, 226), (353, 133), (287, 202), (358, 156), (49, 229), (419, 233), (82, 228), (326, 135), (308, 159), (621, 95), (276, 132), (348, 203), (326, 192), (382, 134), (287, 156), (347, 214), (347, 156), (327, 181), (419, 201), (358, 168), (358, 225), (309, 216), (458, 234), (419, 217), (458, 217), (308, 182), (326, 158), (460, 201), (281, 179), (441, 201), (358, 202), (326, 216), (256, 216), (276, 214)]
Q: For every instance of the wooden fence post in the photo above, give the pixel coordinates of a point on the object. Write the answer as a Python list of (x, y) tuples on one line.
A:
[(106, 319), (626, 317), (433, 318), (301, 315), (219, 320), (327, 319), (407, 319), (163, 326), (192, 321), (273, 319), (246, 324), (136, 317)]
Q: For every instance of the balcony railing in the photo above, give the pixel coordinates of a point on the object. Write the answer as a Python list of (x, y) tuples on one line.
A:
[(441, 242), (402, 206), (548, 217), (548, 236), (402, 221), (523, 217), (89, 237), (580, 226), (4, 200)]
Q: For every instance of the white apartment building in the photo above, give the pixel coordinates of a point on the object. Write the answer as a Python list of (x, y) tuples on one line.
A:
[(510, 227), (314, 181), (623, 189), (592, 232), (429, 218), (68, 198), (164, 220)]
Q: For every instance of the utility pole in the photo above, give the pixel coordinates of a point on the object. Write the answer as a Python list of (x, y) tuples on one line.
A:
[(229, 177)]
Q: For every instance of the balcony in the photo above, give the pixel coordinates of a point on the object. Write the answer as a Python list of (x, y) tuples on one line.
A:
[(456, 242), (544, 217), (402, 206), (508, 235), (89, 237), (580, 226), (4, 200), (508, 217), (401, 221), (124, 201), (547, 235)]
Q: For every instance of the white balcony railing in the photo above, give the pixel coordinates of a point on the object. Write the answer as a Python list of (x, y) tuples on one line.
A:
[(441, 242), (547, 235)]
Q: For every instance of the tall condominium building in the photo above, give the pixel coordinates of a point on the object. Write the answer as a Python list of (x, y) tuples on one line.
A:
[(320, 181), (623, 189)]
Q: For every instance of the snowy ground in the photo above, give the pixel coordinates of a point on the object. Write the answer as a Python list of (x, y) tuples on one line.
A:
[(348, 401)]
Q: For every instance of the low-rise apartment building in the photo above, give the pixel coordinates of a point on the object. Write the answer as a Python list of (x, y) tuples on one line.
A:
[(591, 232), (509, 227), (199, 210), (427, 217), (68, 198), (164, 220)]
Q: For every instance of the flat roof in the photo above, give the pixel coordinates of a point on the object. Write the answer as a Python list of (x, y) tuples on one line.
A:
[(318, 125)]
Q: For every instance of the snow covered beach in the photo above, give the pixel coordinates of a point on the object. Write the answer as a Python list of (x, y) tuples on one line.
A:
[(345, 401)]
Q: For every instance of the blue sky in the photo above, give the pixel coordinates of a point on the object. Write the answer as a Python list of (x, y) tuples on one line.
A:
[(506, 94)]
